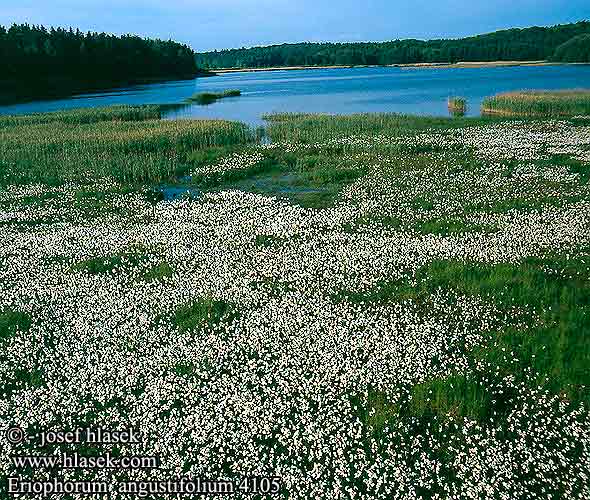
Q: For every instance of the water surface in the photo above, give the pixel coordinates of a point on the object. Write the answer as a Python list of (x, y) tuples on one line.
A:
[(421, 91)]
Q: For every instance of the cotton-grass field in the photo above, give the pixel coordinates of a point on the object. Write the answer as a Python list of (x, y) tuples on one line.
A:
[(373, 306)]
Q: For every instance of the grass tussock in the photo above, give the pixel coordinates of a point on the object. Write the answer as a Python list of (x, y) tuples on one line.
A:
[(201, 312), (161, 272), (204, 98), (19, 379), (111, 263), (539, 103), (12, 321)]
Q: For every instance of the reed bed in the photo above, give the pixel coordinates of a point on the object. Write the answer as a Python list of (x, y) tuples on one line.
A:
[(539, 103), (211, 97), (309, 128), (287, 116), (86, 115), (80, 147), (457, 106)]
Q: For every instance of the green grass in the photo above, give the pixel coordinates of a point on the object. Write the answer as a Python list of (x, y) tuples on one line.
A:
[(539, 103), (557, 350), (521, 203), (21, 378), (449, 398), (92, 144), (12, 321), (574, 166), (365, 221), (377, 412), (382, 292), (311, 128), (90, 203), (111, 263), (204, 98), (449, 227), (189, 369), (436, 406), (267, 241), (312, 180), (160, 272), (286, 116), (83, 116), (185, 369), (229, 178), (555, 353), (456, 395), (474, 396), (198, 313)]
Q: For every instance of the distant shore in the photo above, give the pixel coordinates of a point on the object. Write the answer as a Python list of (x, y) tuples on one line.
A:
[(482, 64), (478, 64)]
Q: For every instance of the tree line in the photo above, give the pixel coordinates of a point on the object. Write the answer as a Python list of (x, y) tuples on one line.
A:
[(37, 61), (560, 43)]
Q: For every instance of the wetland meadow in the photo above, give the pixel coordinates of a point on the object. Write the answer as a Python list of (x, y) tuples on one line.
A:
[(363, 306)]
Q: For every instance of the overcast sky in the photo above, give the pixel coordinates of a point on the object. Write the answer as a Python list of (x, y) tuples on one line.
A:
[(217, 24)]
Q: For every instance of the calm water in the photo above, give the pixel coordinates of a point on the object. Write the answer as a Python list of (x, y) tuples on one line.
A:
[(412, 90)]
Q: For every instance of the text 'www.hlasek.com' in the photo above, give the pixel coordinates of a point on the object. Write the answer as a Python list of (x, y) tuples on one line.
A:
[(96, 461)]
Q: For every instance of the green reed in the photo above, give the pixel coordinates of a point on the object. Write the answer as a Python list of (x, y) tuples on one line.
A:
[(123, 143), (310, 128), (539, 103), (457, 106), (86, 115)]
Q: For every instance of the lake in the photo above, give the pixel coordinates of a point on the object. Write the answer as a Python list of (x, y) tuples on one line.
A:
[(421, 91)]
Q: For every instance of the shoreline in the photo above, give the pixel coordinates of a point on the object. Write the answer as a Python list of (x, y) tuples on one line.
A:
[(466, 64), (11, 92)]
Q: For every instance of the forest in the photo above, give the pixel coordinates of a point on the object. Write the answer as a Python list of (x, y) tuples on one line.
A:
[(41, 62), (566, 43)]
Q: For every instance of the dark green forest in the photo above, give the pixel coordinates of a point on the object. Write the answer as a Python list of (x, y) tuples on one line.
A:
[(577, 49), (41, 62), (567, 43)]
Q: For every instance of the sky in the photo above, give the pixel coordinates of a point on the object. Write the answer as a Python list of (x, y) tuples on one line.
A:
[(217, 24)]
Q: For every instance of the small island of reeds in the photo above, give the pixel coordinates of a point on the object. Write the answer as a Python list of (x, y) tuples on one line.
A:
[(539, 103), (211, 97), (457, 106)]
